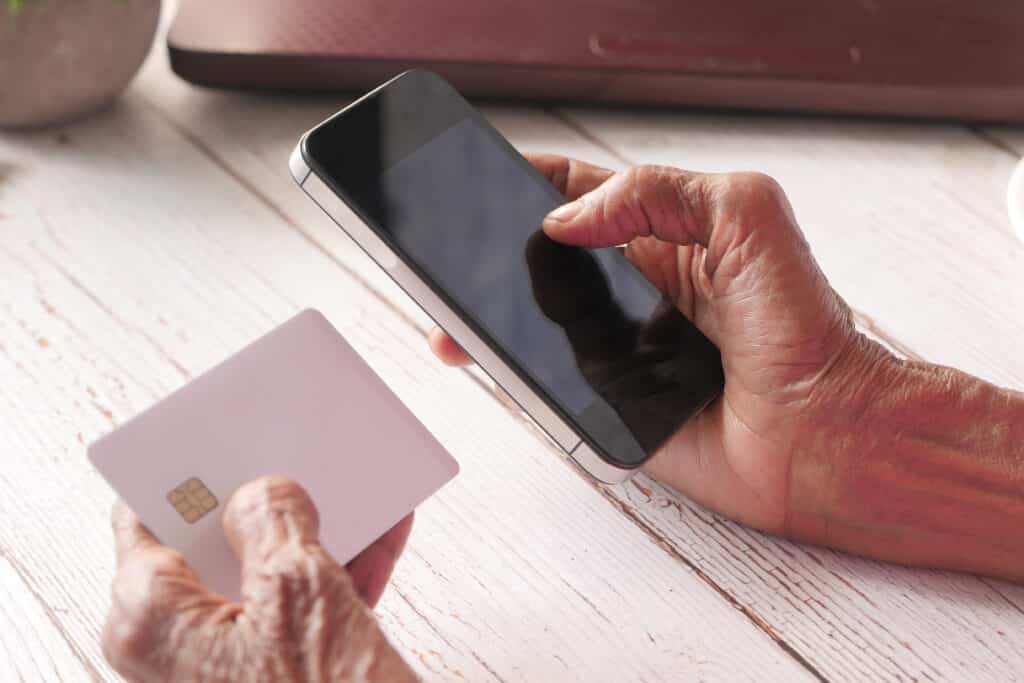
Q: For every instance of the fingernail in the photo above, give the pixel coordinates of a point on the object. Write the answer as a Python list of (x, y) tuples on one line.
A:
[(566, 212)]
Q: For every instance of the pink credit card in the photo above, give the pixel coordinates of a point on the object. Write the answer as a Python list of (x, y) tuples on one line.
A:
[(298, 402)]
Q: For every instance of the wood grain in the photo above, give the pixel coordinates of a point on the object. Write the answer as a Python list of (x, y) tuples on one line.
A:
[(33, 647), (130, 261), (855, 637)]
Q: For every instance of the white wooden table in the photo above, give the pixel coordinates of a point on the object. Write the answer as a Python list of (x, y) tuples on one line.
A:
[(140, 247)]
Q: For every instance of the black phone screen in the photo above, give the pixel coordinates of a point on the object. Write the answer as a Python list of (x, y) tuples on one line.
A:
[(583, 326)]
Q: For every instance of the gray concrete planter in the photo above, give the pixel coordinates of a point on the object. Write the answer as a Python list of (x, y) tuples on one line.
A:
[(63, 59)]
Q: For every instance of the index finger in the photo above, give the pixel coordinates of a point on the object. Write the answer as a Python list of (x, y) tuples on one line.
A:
[(571, 177)]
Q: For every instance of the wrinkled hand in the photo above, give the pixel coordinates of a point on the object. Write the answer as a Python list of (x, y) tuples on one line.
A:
[(304, 618), (726, 249)]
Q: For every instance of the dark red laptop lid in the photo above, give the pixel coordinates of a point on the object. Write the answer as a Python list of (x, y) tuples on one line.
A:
[(885, 56)]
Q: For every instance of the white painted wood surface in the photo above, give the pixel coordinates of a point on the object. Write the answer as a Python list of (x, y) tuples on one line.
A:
[(143, 246)]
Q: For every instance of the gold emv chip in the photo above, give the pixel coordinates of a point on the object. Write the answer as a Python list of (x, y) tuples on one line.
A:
[(192, 499)]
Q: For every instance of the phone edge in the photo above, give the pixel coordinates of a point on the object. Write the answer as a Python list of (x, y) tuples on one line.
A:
[(558, 430)]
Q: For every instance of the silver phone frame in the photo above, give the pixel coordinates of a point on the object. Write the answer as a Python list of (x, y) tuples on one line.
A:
[(560, 431)]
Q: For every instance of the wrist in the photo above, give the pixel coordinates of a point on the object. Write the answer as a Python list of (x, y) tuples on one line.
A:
[(917, 464), (838, 429)]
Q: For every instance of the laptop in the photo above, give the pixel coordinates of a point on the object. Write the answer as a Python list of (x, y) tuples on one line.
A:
[(931, 58)]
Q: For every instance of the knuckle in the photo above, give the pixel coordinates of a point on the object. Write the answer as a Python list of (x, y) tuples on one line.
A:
[(266, 496), (146, 575), (273, 489), (162, 563), (642, 196), (662, 200), (756, 189), (296, 575), (747, 208), (644, 174), (265, 487), (302, 564), (759, 205), (648, 181), (141, 585)]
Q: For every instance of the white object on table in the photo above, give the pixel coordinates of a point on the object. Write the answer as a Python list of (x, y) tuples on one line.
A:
[(1015, 200)]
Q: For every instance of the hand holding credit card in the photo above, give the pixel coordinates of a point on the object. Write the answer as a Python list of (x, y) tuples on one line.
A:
[(298, 403)]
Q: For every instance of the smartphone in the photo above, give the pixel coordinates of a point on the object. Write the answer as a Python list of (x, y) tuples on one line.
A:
[(579, 338)]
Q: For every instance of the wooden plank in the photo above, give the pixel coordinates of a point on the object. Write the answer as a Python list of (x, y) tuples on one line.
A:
[(33, 647), (909, 225), (893, 628), (129, 263)]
